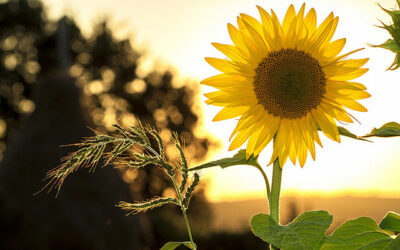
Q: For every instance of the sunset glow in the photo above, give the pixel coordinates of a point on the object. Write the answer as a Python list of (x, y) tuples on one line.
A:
[(179, 33)]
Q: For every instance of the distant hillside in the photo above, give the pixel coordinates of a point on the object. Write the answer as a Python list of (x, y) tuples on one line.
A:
[(235, 216)]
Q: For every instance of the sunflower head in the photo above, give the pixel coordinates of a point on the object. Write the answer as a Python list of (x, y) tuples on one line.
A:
[(285, 81)]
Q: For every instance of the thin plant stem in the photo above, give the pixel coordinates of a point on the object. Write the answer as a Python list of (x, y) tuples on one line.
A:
[(188, 228), (268, 190), (275, 192), (178, 192), (183, 212)]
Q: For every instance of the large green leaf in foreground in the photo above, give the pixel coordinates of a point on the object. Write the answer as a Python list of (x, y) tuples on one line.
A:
[(307, 232), (361, 233), (391, 222), (304, 233)]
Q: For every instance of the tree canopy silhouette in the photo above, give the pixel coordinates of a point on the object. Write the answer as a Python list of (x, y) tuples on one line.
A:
[(105, 69)]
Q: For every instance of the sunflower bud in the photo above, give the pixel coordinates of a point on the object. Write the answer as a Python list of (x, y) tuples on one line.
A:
[(394, 30)]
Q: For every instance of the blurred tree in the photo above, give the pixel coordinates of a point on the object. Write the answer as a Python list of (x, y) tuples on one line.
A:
[(106, 69), (19, 65), (83, 216)]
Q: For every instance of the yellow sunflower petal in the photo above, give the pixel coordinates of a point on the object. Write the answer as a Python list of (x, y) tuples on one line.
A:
[(300, 15), (222, 65), (308, 137), (358, 85), (323, 36), (254, 23), (222, 81), (302, 154), (334, 48), (268, 133), (241, 138), (344, 85), (352, 63), (236, 37), (253, 139), (324, 24), (270, 31), (229, 113), (342, 116), (246, 36), (230, 51), (351, 104), (230, 99), (345, 55), (252, 116), (287, 20), (357, 95), (277, 27), (327, 125), (259, 42), (311, 21), (344, 74)]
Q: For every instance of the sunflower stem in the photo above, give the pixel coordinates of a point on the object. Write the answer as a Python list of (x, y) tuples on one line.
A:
[(275, 192)]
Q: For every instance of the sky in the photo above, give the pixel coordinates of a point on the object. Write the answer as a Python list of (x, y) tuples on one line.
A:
[(180, 32)]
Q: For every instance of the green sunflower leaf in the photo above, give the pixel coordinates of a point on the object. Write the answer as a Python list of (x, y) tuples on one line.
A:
[(361, 233), (304, 233), (395, 244), (238, 159), (347, 133), (174, 244), (389, 129), (391, 222)]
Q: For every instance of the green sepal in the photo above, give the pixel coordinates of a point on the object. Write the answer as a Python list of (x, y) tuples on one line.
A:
[(394, 14), (174, 244), (394, 30), (238, 159), (396, 63), (389, 129), (304, 233), (391, 222), (391, 45)]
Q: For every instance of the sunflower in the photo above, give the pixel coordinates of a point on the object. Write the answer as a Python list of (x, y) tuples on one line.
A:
[(285, 82)]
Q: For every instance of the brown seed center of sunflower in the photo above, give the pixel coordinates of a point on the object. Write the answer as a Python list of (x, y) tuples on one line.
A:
[(289, 83)]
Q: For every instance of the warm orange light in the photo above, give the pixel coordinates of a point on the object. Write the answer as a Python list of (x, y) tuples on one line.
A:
[(182, 36)]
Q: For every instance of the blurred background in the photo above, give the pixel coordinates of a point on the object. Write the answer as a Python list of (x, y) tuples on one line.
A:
[(67, 66)]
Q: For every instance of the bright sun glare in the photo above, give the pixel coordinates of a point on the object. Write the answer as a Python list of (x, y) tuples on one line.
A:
[(183, 35)]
